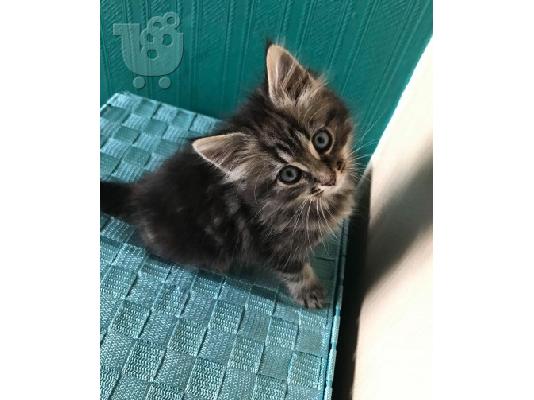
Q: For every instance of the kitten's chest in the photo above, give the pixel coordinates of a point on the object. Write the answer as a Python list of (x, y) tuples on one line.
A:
[(296, 240)]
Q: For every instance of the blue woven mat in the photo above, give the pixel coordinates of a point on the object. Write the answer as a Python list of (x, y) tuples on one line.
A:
[(174, 332)]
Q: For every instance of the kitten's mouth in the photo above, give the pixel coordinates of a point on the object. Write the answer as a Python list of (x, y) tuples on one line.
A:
[(329, 189), (326, 190)]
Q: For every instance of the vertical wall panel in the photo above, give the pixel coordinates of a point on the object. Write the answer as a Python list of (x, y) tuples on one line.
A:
[(366, 48)]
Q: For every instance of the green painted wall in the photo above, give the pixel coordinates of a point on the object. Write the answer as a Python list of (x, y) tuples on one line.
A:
[(368, 49)]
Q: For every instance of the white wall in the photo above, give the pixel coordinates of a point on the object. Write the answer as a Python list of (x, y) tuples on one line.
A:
[(393, 355)]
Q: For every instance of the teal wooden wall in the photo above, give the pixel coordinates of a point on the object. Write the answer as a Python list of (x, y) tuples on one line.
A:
[(368, 49)]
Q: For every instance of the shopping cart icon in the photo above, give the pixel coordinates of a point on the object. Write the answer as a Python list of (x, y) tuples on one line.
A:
[(155, 51)]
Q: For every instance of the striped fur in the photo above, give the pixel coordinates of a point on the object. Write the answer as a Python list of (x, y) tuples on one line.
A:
[(222, 202)]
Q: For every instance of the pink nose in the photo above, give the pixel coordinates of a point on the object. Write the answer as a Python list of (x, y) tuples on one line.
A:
[(327, 178)]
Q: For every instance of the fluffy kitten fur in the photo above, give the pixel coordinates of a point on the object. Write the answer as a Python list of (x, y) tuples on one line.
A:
[(224, 201)]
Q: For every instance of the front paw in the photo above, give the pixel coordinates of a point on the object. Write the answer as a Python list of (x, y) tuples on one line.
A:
[(311, 296)]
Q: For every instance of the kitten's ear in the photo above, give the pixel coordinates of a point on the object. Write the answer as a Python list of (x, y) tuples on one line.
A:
[(287, 80), (223, 151)]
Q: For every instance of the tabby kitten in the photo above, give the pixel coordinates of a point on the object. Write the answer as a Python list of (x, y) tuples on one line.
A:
[(267, 187)]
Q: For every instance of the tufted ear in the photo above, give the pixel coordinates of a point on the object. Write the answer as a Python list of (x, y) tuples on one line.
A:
[(224, 151), (287, 80)]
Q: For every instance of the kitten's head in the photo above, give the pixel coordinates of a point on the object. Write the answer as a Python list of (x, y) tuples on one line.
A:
[(289, 148)]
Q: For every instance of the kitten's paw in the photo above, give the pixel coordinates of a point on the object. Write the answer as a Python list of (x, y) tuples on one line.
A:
[(312, 296)]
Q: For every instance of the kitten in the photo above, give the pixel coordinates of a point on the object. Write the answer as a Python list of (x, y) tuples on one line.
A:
[(267, 187)]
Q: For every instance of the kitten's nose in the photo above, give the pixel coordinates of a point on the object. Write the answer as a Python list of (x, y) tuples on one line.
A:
[(327, 177)]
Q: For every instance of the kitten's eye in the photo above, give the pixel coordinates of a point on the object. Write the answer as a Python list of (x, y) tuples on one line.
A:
[(322, 140), (289, 174)]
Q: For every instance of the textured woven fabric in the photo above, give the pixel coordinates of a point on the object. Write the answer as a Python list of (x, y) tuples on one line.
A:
[(175, 332)]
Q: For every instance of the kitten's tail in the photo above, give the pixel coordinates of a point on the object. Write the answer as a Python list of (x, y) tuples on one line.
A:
[(115, 199)]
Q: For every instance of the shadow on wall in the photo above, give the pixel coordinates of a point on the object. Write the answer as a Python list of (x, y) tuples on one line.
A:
[(352, 293), (406, 214)]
